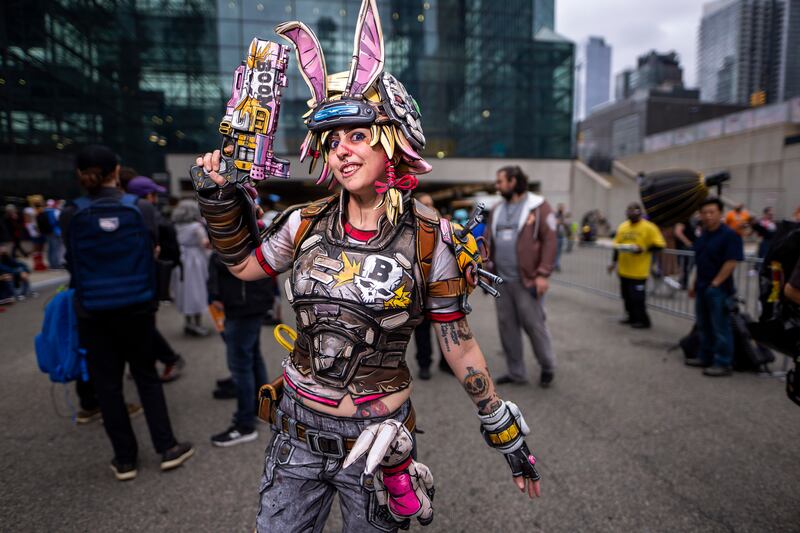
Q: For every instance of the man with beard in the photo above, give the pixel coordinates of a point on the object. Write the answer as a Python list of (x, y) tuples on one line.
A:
[(521, 236), (634, 243)]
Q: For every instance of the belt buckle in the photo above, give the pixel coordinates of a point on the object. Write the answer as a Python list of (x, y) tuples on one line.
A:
[(325, 443)]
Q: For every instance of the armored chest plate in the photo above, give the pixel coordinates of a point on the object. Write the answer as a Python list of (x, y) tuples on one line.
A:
[(357, 305)]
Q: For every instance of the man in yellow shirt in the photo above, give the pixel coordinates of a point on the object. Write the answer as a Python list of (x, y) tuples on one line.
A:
[(634, 243)]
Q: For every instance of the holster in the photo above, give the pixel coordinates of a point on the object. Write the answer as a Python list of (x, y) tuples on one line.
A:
[(269, 396)]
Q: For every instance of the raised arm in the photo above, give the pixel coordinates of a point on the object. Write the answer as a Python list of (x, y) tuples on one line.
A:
[(502, 424), (231, 219)]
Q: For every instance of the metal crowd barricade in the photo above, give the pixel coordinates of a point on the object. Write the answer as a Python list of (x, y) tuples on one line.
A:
[(586, 268)]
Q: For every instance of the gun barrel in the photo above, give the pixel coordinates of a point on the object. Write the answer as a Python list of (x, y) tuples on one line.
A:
[(475, 218), (488, 288), (491, 277)]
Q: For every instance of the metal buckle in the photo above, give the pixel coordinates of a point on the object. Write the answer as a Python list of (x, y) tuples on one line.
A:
[(325, 443)]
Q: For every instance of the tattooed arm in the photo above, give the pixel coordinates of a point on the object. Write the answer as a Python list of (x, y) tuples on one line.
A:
[(466, 359)]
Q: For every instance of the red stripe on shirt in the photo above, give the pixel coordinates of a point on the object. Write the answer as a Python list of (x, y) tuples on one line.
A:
[(446, 317), (263, 262), (359, 234)]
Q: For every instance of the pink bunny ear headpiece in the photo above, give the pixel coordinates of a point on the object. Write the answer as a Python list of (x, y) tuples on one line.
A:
[(365, 96)]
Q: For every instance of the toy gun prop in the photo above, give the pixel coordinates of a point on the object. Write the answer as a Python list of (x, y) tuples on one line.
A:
[(470, 258), (251, 119)]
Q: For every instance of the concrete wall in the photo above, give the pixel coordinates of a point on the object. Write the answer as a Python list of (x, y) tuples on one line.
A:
[(611, 194), (764, 170)]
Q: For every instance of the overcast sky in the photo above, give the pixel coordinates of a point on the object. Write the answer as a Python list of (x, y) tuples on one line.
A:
[(633, 27)]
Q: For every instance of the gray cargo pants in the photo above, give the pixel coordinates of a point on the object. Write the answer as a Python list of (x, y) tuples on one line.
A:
[(298, 485), (517, 309)]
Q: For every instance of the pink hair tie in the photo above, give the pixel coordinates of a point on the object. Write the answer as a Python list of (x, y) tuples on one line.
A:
[(407, 182)]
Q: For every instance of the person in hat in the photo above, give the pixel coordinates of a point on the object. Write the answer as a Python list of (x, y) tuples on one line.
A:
[(147, 189), (364, 267)]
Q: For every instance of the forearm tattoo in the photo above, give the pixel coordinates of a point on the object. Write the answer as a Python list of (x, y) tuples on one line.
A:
[(478, 386), (454, 333)]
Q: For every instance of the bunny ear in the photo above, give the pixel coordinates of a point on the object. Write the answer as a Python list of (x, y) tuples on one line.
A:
[(367, 50), (309, 57)]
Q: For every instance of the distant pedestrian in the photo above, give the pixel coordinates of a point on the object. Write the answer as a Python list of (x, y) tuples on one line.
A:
[(738, 219), (635, 242), (717, 251), (15, 230), (189, 290), (110, 242), (148, 190), (16, 275), (31, 215), (244, 303), (47, 220), (562, 234), (765, 227), (521, 235)]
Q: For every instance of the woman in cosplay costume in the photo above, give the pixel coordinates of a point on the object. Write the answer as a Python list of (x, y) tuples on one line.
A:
[(365, 264)]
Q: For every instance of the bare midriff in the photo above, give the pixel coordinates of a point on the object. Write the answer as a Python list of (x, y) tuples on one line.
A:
[(347, 408)]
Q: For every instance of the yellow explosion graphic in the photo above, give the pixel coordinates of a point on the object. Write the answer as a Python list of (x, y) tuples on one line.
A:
[(350, 270), (401, 300)]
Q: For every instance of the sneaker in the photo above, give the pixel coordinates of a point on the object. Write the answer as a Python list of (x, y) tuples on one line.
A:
[(546, 379), (640, 325), (716, 371), (176, 456), (193, 330), (696, 362), (86, 416), (424, 373), (123, 471), (173, 371), (506, 380), (626, 320), (226, 382), (234, 435)]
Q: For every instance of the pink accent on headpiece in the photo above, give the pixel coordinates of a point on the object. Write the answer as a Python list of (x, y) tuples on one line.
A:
[(367, 50), (309, 57), (405, 183), (324, 175)]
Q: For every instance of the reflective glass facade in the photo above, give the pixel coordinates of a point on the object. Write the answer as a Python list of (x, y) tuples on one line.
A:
[(151, 77)]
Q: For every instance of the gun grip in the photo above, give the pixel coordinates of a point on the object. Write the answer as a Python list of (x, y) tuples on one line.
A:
[(203, 182)]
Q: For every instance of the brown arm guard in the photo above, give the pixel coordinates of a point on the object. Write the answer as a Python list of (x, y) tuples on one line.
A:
[(232, 223)]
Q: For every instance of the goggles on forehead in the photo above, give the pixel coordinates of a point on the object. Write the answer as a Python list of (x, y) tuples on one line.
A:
[(349, 112)]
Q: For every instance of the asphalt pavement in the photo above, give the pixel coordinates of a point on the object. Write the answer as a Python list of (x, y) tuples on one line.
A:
[(628, 439)]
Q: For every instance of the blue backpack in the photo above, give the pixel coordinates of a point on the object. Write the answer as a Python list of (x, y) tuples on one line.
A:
[(58, 350), (110, 254)]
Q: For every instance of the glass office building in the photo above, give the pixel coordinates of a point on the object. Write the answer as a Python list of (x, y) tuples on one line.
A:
[(151, 77)]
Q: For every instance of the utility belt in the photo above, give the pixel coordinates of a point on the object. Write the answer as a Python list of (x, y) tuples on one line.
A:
[(324, 443)]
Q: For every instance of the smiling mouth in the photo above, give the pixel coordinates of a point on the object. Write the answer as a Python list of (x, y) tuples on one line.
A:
[(350, 169)]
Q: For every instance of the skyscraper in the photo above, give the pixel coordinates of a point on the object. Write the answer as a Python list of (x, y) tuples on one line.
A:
[(544, 15), (592, 76), (747, 51)]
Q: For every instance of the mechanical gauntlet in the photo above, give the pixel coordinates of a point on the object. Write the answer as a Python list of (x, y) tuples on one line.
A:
[(233, 227), (504, 430)]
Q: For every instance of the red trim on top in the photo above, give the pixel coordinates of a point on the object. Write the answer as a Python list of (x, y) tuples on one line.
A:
[(263, 262), (359, 234), (446, 317)]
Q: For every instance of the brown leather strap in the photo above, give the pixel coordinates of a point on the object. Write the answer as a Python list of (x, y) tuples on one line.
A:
[(447, 288), (426, 243), (410, 423)]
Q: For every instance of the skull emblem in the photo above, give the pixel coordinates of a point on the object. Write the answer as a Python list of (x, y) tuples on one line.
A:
[(381, 276)]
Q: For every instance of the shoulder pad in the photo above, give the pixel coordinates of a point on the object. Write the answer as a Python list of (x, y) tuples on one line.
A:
[(318, 206), (424, 212)]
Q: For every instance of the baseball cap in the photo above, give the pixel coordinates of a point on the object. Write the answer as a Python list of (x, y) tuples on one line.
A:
[(142, 186), (97, 155)]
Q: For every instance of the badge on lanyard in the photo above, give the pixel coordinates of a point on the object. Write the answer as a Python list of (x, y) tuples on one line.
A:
[(505, 234)]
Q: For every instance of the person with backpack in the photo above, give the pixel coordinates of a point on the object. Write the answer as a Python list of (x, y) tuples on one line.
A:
[(717, 250), (168, 258), (110, 240)]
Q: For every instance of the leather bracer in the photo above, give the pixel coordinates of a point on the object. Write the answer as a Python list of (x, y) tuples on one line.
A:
[(232, 223)]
